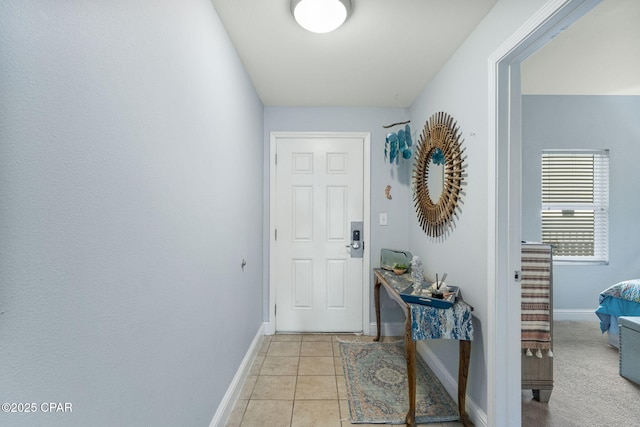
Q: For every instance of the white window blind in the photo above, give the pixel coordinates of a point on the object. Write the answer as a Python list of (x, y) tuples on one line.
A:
[(575, 204)]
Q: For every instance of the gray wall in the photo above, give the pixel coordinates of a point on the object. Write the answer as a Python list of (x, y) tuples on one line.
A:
[(130, 149), (395, 234), (461, 89), (611, 122)]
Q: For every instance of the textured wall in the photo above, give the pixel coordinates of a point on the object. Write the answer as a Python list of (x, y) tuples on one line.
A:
[(131, 152), (461, 90)]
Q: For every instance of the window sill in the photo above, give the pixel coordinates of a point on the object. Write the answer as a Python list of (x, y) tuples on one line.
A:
[(579, 263)]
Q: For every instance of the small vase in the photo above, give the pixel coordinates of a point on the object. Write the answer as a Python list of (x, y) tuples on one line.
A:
[(437, 295)]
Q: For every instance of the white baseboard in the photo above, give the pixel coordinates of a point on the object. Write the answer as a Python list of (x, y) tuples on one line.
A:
[(228, 401), (477, 415), (576, 315), (269, 328), (387, 329)]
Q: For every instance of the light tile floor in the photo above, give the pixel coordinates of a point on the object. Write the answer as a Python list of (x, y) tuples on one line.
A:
[(297, 380)]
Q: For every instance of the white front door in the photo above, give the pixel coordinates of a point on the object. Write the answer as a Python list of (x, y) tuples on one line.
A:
[(319, 192)]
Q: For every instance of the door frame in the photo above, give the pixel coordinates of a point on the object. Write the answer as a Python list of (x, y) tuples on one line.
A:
[(366, 194), (504, 202)]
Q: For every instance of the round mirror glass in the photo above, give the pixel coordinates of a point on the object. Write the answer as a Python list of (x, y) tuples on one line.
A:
[(435, 178)]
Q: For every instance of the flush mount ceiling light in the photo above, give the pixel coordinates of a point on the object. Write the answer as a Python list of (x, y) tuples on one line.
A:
[(320, 16)]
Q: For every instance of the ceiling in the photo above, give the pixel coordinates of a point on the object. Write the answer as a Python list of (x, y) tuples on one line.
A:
[(597, 55), (388, 50), (384, 55)]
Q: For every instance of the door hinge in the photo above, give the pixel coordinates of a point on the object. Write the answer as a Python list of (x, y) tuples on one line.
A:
[(276, 159), (275, 309), (276, 234), (517, 275)]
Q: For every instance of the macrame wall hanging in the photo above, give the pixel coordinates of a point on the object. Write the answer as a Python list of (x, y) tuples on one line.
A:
[(439, 143)]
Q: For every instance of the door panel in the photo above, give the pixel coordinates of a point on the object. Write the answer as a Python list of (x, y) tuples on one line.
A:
[(319, 191)]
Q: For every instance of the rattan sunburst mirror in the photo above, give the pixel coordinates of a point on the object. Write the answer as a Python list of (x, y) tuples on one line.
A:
[(440, 133)]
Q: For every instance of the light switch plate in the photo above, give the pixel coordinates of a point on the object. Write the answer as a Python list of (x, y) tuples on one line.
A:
[(383, 218)]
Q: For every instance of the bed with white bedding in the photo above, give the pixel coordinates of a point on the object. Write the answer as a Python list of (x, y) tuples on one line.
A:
[(621, 299)]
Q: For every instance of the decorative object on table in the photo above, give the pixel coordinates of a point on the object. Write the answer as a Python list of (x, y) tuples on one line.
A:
[(424, 295), (387, 192), (376, 382), (398, 144), (439, 288), (399, 269), (417, 274), (390, 257), (437, 294), (441, 135)]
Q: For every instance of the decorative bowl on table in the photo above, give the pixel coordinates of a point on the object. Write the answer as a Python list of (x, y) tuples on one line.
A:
[(399, 268), (399, 271)]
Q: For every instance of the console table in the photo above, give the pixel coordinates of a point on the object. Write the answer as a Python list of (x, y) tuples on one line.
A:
[(426, 322)]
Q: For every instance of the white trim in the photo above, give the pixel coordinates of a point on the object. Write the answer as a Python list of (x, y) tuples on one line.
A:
[(233, 391), (387, 329), (269, 328), (577, 315), (504, 206), (366, 137), (366, 266), (272, 226), (477, 415)]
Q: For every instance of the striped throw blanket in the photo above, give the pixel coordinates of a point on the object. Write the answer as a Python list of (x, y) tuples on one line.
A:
[(535, 285)]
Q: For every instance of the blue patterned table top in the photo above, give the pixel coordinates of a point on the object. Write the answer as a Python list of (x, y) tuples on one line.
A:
[(430, 322)]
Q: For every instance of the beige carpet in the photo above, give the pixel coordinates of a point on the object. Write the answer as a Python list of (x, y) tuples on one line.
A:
[(588, 390)]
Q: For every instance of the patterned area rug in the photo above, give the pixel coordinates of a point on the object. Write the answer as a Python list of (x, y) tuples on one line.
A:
[(376, 377)]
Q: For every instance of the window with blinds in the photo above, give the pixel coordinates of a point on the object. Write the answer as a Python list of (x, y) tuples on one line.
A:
[(575, 204)]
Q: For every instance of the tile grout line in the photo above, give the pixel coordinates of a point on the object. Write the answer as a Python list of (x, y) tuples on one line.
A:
[(334, 355)]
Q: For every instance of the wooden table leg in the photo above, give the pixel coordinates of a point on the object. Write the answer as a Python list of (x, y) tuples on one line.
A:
[(376, 298), (463, 373), (410, 350)]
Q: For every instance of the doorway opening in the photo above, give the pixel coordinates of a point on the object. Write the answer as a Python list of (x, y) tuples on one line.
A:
[(505, 176)]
